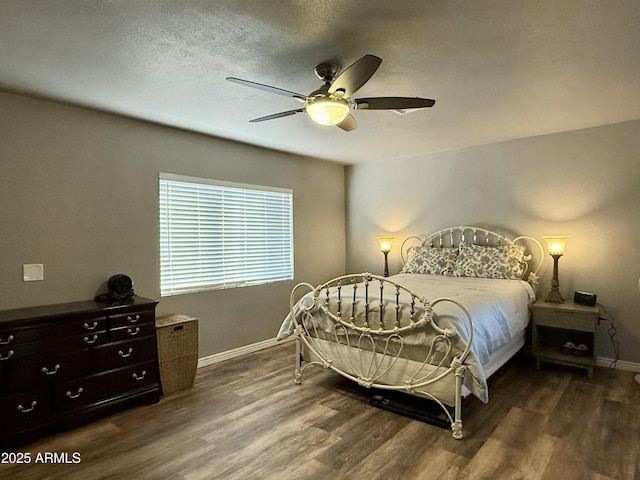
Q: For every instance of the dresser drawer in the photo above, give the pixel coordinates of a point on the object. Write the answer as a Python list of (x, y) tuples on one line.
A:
[(132, 332), (25, 407), (10, 353), (129, 379), (34, 372), (86, 340), (10, 337), (87, 325), (126, 353), (76, 325), (132, 319), (53, 348), (562, 319), (103, 386), (63, 326), (76, 393)]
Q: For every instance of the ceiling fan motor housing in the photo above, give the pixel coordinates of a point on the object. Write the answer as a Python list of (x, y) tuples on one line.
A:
[(327, 72)]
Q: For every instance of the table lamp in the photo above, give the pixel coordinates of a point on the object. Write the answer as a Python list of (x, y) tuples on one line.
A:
[(385, 247)]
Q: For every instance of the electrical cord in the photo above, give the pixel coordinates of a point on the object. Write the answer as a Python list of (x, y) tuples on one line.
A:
[(612, 333)]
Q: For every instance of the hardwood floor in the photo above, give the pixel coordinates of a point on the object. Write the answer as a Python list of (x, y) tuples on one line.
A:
[(549, 424)]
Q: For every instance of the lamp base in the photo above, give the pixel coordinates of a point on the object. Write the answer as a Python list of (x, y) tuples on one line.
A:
[(386, 264), (554, 296), (637, 378)]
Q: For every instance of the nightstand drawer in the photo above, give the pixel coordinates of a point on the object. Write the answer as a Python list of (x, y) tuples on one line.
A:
[(563, 319)]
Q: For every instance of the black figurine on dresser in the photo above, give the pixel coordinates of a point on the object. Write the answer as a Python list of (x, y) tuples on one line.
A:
[(67, 364)]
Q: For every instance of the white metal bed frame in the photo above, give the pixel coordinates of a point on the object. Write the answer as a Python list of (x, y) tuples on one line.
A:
[(378, 346)]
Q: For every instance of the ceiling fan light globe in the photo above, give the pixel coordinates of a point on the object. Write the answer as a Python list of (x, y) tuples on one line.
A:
[(327, 111)]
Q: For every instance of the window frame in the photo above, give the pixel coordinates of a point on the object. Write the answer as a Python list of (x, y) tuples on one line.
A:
[(251, 244)]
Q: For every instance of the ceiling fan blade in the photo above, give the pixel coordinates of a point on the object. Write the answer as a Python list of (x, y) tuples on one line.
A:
[(393, 103), (268, 88), (356, 75), (277, 115), (348, 124)]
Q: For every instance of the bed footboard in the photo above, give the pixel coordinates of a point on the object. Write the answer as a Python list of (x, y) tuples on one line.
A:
[(381, 335)]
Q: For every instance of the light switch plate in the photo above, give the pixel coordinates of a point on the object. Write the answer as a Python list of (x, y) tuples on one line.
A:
[(32, 272)]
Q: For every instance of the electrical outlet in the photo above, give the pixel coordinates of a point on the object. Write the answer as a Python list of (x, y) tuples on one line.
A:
[(32, 272)]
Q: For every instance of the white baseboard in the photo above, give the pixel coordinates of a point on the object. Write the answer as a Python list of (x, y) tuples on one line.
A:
[(237, 352), (254, 347), (620, 364)]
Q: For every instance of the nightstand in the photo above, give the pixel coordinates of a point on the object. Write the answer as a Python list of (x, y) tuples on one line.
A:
[(557, 324)]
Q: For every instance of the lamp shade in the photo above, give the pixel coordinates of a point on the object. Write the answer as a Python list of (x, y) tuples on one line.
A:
[(556, 244), (327, 111), (385, 244)]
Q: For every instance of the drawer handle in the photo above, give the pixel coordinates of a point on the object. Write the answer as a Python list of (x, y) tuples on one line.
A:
[(46, 371), (9, 339), (72, 396), (125, 355), (93, 326), (89, 341), (133, 319), (27, 410), (137, 377), (133, 332), (9, 355)]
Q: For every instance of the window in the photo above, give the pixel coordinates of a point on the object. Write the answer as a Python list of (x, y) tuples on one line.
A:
[(221, 235)]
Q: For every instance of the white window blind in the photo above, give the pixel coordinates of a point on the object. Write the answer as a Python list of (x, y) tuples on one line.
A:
[(221, 235)]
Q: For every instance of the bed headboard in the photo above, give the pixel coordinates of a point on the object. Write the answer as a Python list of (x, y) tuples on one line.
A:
[(452, 237)]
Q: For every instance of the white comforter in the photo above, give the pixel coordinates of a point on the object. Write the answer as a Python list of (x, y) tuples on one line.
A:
[(498, 308)]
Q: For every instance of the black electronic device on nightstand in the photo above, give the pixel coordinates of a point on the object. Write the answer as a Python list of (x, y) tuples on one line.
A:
[(587, 299)]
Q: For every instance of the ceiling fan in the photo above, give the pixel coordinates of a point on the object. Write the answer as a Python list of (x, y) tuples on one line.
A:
[(331, 103)]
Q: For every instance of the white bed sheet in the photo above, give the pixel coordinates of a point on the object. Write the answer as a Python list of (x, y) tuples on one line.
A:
[(498, 308)]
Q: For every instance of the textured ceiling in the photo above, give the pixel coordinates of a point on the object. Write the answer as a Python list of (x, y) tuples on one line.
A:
[(498, 69)]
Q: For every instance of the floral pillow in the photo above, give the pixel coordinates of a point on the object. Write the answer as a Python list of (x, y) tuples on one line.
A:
[(504, 261), (435, 261)]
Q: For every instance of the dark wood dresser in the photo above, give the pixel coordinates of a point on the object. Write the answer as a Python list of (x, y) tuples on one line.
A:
[(67, 364)]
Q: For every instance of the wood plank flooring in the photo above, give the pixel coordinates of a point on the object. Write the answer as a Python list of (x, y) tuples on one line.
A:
[(549, 424)]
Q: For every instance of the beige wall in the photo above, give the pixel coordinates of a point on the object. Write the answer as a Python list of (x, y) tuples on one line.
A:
[(583, 183), (79, 194)]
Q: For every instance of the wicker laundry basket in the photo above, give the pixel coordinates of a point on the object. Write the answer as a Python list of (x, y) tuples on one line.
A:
[(177, 351)]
